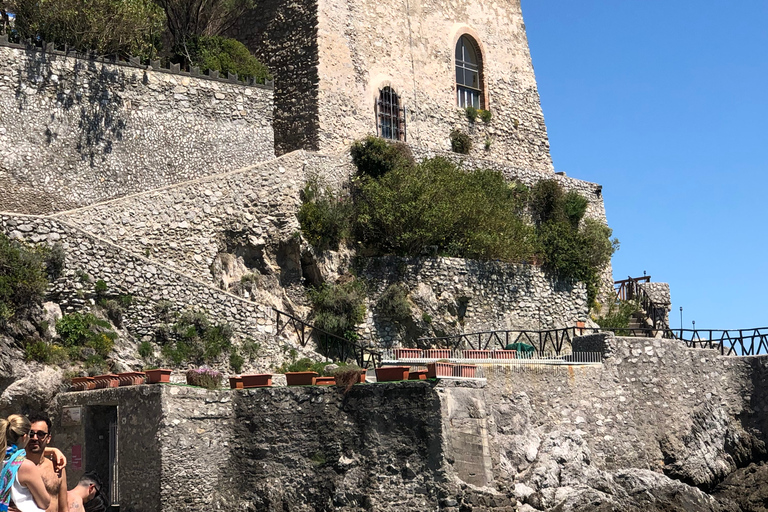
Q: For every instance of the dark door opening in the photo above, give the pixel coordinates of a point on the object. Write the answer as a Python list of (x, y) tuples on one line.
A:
[(101, 449)]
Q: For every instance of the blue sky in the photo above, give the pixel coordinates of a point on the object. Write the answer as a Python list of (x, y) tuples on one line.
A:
[(665, 103)]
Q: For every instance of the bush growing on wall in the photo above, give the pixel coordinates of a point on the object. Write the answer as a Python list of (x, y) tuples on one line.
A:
[(224, 55), (324, 216), (338, 308), (460, 142), (22, 277), (393, 303), (375, 157)]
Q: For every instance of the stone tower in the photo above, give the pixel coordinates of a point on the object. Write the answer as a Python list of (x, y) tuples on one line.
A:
[(402, 69)]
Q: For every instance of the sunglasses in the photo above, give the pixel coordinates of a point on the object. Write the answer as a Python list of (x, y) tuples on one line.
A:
[(38, 433)]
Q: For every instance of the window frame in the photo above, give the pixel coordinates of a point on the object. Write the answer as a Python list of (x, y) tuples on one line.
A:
[(466, 95)]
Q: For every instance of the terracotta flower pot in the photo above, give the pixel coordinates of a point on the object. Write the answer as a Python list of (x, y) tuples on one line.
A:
[(107, 381), (131, 378), (158, 375), (437, 353), (503, 354), (257, 380), (417, 375), (325, 381), (236, 383), (465, 370), (476, 354), (83, 383), (407, 353), (301, 378), (392, 373), (435, 370)]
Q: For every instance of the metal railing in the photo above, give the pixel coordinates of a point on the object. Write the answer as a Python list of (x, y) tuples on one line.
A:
[(330, 345), (630, 289), (549, 341)]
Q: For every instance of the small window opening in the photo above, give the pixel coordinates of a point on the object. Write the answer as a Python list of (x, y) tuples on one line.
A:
[(390, 115)]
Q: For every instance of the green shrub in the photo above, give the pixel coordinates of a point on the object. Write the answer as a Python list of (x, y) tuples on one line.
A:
[(618, 316), (393, 303), (79, 330), (38, 351), (375, 157), (22, 278), (250, 349), (427, 318), (145, 350), (338, 308), (486, 116), (224, 55), (574, 207), (460, 142), (113, 310), (437, 205), (100, 287), (55, 260), (547, 201), (196, 339), (471, 113), (324, 217), (236, 361)]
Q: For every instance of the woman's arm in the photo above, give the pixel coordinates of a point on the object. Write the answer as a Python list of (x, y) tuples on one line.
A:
[(59, 460), (30, 477), (63, 500)]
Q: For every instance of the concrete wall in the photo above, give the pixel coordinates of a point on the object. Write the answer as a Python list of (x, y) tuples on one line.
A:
[(77, 131)]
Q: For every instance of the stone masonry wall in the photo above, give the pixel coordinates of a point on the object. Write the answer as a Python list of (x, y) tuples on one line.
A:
[(469, 296), (148, 281), (77, 131), (283, 35), (365, 45)]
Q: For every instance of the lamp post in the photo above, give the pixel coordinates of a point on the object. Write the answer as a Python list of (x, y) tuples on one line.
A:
[(693, 322), (681, 322)]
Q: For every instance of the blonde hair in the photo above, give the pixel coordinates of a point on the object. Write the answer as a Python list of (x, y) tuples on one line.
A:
[(12, 429)]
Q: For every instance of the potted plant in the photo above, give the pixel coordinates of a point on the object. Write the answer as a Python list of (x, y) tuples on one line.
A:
[(465, 370), (300, 378), (476, 354), (417, 375), (236, 382), (204, 377), (437, 353), (392, 373), (158, 375), (83, 383), (347, 376), (440, 369), (107, 381), (407, 353), (131, 378), (503, 354), (257, 380), (325, 381)]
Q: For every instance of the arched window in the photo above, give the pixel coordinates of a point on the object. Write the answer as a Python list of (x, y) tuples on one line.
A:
[(469, 70), (390, 115)]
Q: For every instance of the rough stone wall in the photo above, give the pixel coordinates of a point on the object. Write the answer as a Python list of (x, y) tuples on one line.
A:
[(283, 35), (185, 225), (410, 46), (148, 281), (77, 131), (473, 296)]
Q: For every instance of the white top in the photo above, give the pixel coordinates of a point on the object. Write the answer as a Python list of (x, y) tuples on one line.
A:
[(22, 498)]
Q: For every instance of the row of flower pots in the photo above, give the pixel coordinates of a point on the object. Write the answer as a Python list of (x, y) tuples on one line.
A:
[(440, 353), (112, 380)]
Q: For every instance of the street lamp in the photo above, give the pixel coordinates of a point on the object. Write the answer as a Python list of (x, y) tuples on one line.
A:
[(681, 322)]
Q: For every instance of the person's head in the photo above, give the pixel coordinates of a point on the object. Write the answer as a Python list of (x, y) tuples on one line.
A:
[(39, 433), (14, 430), (90, 484)]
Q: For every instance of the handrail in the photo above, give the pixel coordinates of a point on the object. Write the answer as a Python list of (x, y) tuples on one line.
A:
[(548, 340), (630, 288), (331, 345)]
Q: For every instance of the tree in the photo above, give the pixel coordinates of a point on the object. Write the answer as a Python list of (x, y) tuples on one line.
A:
[(108, 27), (188, 19)]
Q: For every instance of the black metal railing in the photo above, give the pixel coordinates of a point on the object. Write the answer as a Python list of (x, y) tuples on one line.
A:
[(631, 289), (551, 341), (330, 345)]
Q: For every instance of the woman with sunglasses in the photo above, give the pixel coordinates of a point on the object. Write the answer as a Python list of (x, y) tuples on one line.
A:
[(21, 482)]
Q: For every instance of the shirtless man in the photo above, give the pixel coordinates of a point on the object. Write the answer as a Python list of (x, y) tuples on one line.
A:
[(55, 480), (86, 490)]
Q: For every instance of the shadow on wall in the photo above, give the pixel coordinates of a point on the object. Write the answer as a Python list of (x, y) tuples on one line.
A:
[(102, 118)]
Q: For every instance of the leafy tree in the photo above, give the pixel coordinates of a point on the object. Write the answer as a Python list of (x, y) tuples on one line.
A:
[(223, 55), (123, 27), (339, 307), (188, 19)]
